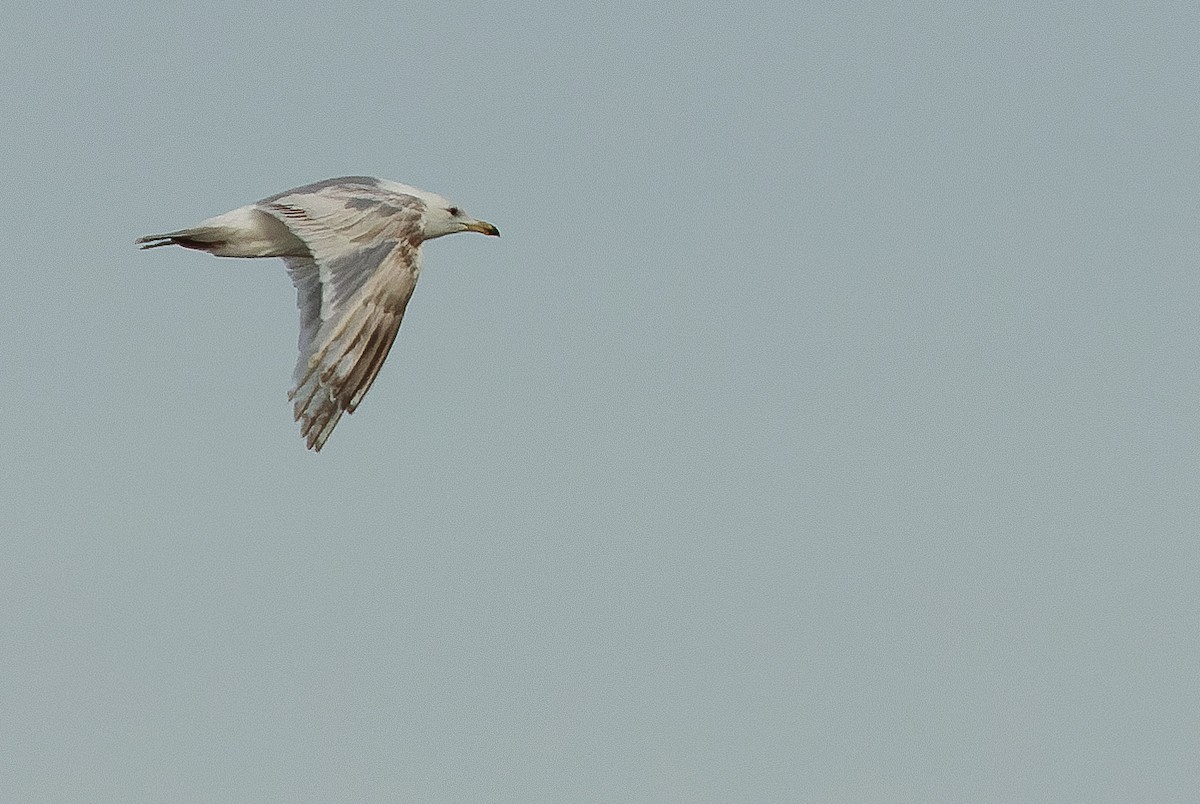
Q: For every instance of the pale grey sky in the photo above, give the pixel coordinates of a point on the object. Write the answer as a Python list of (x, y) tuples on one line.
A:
[(824, 427)]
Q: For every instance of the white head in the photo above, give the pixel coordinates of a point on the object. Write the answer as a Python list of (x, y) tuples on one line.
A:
[(442, 217)]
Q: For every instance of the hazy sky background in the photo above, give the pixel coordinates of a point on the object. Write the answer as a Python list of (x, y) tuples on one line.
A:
[(825, 425)]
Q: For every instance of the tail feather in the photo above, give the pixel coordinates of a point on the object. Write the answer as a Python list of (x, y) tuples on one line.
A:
[(201, 238), (155, 241)]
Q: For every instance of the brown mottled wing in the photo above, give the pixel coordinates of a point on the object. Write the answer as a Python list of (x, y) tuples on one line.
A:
[(352, 292)]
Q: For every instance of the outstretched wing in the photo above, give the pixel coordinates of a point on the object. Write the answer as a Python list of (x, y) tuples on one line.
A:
[(352, 292)]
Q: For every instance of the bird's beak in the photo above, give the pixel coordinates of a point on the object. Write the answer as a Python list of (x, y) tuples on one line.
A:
[(483, 227)]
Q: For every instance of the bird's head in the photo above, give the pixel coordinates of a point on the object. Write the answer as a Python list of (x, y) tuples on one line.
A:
[(442, 217), (445, 218)]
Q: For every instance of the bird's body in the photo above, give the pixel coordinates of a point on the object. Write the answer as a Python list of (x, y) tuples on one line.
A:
[(353, 249)]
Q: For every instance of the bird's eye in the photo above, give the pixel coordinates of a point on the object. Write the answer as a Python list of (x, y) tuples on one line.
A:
[(454, 212)]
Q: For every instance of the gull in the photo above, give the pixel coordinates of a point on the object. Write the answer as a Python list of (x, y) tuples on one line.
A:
[(352, 247)]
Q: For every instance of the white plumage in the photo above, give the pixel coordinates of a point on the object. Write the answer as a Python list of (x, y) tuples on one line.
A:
[(352, 247)]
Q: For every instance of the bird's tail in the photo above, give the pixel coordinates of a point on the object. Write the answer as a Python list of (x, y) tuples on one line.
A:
[(201, 238)]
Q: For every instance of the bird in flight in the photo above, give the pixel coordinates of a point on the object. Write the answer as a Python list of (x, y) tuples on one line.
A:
[(352, 247)]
